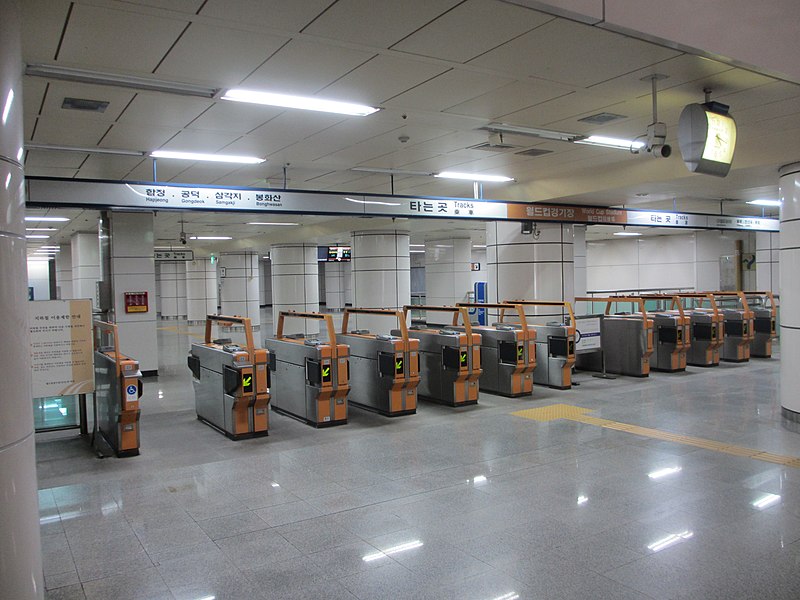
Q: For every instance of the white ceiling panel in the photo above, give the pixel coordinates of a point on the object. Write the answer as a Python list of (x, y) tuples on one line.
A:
[(181, 6), (510, 98), (235, 117), (203, 172), (376, 23), (571, 105), (195, 140), (385, 144), (42, 22), (33, 90), (451, 88), (115, 39), (217, 55), (50, 172), (118, 99), (381, 78), (137, 136), (166, 170), (454, 141), (470, 29), (102, 166), (288, 16), (283, 131), (47, 158), (74, 132), (164, 110), (756, 96), (303, 67), (573, 53)]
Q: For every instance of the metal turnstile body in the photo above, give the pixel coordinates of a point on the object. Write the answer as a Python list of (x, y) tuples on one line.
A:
[(555, 356), (385, 367), (738, 333), (764, 331), (118, 388), (706, 336), (627, 346), (671, 340), (310, 378), (231, 383)]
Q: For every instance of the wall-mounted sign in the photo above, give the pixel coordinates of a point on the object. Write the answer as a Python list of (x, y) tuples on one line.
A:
[(475, 266), (70, 192), (61, 347), (707, 138), (136, 302), (174, 255)]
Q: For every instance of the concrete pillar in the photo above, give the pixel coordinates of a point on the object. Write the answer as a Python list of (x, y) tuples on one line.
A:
[(381, 275), (266, 278), (579, 257), (337, 282), (239, 276), (530, 266), (133, 270), (447, 271), (85, 266), (789, 184), (295, 285), (20, 549), (767, 270), (173, 289), (201, 290), (64, 272)]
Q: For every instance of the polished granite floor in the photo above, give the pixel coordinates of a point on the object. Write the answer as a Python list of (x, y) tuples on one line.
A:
[(468, 504)]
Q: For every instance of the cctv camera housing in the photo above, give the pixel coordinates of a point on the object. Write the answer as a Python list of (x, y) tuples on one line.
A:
[(661, 151)]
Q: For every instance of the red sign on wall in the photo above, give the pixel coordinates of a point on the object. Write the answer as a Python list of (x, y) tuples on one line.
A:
[(136, 302)]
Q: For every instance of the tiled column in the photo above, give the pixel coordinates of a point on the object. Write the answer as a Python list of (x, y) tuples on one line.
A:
[(64, 272), (447, 271), (133, 270), (767, 269), (790, 290), (381, 275), (530, 266), (85, 265), (579, 254), (201, 290), (240, 286), (20, 549), (173, 290), (295, 285), (337, 279)]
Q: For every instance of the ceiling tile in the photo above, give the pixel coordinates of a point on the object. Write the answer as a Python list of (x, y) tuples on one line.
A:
[(72, 132), (33, 90), (573, 53), (194, 140), (509, 98), (202, 172), (235, 117), (377, 23), (283, 131), (451, 88), (50, 158), (385, 144), (380, 79), (470, 29), (277, 14), (101, 166), (164, 110), (118, 99), (182, 6), (165, 170), (217, 55), (42, 22), (50, 172), (137, 136), (118, 40), (303, 67), (577, 103)]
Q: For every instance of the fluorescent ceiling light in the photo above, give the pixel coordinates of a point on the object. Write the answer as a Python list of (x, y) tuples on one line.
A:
[(473, 176), (84, 150), (56, 248), (392, 171), (259, 223), (547, 134), (479, 479), (37, 237), (417, 251), (627, 233), (417, 245), (41, 229), (582, 500), (210, 237), (664, 472), (127, 81), (610, 142), (299, 102), (765, 202), (479, 245), (225, 158), (372, 202), (48, 219)]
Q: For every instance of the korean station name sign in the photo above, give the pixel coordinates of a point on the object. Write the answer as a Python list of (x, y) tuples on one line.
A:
[(51, 191)]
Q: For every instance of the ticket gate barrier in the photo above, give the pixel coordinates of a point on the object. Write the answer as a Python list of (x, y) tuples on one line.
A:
[(231, 382), (765, 316), (508, 354), (707, 329), (385, 366), (310, 378), (449, 360), (738, 319), (627, 338), (555, 343), (118, 388), (671, 333)]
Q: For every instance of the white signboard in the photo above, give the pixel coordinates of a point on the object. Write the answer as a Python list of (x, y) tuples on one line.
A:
[(174, 255), (61, 347), (588, 334)]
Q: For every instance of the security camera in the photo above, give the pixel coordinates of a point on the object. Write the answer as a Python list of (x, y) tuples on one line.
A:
[(403, 138), (656, 140), (182, 238), (661, 150)]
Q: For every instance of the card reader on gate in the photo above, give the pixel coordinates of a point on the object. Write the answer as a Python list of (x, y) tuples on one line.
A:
[(232, 348)]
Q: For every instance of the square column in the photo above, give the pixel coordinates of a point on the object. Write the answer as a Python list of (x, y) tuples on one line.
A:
[(447, 271), (295, 285)]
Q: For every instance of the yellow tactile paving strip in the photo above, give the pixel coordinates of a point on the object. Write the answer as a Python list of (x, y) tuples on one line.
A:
[(579, 414)]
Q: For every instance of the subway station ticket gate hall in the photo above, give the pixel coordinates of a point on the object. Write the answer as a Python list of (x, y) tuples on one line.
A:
[(310, 377), (671, 333), (508, 353), (231, 383), (385, 367), (765, 316), (707, 329), (118, 388), (738, 319)]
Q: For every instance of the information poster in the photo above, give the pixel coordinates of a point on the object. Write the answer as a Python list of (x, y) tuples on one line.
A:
[(61, 347), (589, 338)]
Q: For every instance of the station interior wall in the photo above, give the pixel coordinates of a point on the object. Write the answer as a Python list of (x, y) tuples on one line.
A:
[(39, 278)]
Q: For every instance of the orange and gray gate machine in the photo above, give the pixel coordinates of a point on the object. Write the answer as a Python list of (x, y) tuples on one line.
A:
[(118, 387), (765, 315), (310, 378), (671, 333), (627, 338), (385, 366), (231, 382), (738, 319), (555, 343), (508, 353), (707, 329), (449, 360)]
